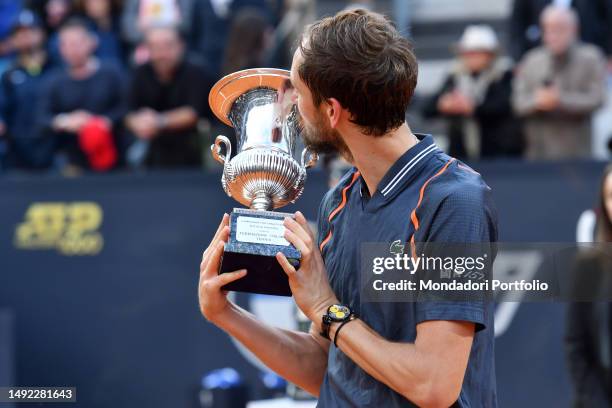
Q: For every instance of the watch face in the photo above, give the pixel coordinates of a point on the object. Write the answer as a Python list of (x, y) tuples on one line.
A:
[(338, 312)]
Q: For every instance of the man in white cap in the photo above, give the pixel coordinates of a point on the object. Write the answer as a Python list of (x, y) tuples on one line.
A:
[(475, 99), (558, 87)]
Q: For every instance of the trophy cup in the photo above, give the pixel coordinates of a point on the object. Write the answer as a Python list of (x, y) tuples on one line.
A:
[(263, 175)]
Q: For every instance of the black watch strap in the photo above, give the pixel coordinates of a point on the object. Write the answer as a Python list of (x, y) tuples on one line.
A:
[(325, 325), (350, 319)]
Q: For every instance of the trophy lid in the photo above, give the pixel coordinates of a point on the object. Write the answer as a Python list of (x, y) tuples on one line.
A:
[(227, 89)]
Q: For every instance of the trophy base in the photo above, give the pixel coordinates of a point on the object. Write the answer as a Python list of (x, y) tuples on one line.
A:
[(255, 239)]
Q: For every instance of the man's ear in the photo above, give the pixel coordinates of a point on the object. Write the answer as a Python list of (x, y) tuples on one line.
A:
[(334, 112)]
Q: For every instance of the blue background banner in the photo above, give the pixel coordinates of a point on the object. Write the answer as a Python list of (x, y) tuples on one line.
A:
[(100, 274)]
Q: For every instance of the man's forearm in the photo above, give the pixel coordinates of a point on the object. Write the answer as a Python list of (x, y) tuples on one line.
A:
[(179, 118), (295, 356), (416, 371)]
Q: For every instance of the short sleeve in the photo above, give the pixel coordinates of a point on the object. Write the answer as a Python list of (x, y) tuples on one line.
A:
[(464, 222)]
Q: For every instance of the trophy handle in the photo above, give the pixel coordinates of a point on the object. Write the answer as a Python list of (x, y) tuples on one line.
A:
[(216, 149), (312, 160)]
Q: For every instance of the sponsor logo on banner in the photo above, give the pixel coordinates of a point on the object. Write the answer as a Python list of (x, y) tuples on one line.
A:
[(70, 228)]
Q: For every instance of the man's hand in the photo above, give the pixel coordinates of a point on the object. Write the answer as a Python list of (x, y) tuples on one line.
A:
[(455, 103), (309, 284), (71, 122), (145, 123), (547, 98), (213, 300)]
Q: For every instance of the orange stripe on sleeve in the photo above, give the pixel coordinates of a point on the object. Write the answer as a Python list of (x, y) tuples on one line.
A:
[(413, 216), (339, 208)]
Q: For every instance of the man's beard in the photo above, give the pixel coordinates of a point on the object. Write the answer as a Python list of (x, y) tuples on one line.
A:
[(322, 139)]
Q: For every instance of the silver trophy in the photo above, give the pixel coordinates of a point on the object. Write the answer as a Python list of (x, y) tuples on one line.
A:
[(263, 175)]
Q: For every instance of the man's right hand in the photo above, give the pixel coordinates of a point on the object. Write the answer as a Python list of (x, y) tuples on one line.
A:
[(213, 300)]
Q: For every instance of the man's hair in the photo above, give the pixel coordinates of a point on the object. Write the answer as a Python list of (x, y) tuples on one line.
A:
[(76, 23), (569, 13), (359, 58), (173, 28)]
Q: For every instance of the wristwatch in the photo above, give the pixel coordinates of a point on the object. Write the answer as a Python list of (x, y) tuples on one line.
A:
[(335, 314)]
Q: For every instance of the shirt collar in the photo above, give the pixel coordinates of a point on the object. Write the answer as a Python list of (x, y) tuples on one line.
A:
[(407, 165)]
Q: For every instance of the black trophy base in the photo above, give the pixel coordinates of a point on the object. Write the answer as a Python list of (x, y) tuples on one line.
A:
[(255, 239)]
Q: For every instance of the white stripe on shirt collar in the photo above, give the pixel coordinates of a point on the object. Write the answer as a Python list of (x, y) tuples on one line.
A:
[(406, 169)]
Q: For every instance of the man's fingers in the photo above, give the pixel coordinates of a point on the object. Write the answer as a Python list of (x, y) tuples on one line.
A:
[(297, 241), (293, 226), (213, 260), (284, 263), (224, 223), (299, 217), (219, 234), (228, 277)]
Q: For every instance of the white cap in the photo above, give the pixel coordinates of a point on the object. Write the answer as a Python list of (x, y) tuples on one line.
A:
[(478, 38)]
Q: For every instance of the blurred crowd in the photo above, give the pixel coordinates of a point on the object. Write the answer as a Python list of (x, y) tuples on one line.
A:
[(538, 103), (97, 85)]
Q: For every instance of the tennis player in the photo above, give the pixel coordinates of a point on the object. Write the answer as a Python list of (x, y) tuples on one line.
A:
[(355, 76)]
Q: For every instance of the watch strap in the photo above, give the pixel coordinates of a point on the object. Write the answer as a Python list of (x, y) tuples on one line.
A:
[(325, 325), (352, 317)]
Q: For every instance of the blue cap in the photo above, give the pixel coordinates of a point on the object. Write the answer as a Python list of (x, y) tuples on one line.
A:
[(26, 19)]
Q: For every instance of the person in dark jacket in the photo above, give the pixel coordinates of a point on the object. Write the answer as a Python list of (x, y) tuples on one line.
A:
[(595, 28), (20, 89), (81, 94), (103, 17), (588, 337), (476, 100), (167, 97)]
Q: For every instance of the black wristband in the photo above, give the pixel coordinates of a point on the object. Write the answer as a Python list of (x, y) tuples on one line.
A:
[(325, 325), (350, 319)]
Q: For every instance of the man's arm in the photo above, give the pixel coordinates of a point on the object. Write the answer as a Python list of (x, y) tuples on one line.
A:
[(593, 95), (299, 357), (429, 372), (524, 89), (181, 118)]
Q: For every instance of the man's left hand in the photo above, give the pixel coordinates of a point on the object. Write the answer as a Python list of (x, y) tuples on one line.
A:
[(309, 284)]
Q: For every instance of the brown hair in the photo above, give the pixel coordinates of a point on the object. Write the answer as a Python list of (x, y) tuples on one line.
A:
[(246, 45), (604, 224), (359, 58)]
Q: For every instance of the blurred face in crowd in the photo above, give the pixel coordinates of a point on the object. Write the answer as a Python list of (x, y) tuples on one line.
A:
[(477, 61), (76, 46), (26, 39), (97, 9), (318, 135), (165, 49), (559, 28), (57, 11)]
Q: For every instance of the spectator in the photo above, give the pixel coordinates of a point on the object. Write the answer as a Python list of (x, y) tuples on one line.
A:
[(85, 95), (296, 15), (9, 10), (167, 96), (19, 92), (214, 19), (475, 99), (140, 15), (56, 12), (249, 41), (558, 87), (588, 330), (595, 18), (103, 15)]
